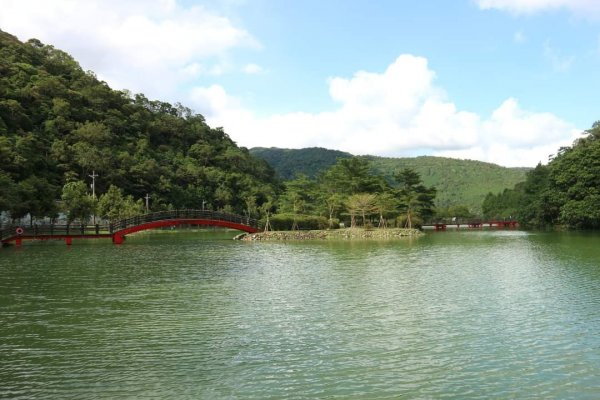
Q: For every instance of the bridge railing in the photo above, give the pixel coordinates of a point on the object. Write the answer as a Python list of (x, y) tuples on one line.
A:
[(8, 231), (182, 214), (466, 221)]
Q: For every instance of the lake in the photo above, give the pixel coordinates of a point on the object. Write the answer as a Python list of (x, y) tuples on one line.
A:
[(469, 314)]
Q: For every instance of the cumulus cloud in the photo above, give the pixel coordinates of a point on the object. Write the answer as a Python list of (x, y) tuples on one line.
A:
[(583, 7), (397, 112), (148, 45)]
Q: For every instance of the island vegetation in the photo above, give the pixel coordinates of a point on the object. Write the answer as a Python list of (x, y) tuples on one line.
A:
[(462, 185)]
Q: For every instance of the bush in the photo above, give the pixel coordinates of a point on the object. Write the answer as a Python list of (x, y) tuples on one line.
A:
[(284, 222)]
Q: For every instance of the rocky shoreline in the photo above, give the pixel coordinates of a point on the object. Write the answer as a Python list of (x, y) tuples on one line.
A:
[(340, 234)]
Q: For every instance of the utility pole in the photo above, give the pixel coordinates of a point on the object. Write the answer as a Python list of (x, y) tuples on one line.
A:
[(147, 198), (203, 202), (94, 176)]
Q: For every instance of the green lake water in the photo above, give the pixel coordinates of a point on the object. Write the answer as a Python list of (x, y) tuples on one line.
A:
[(471, 314)]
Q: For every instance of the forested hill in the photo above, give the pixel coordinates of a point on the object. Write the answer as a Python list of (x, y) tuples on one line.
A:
[(458, 182), (59, 123), (566, 192), (288, 163)]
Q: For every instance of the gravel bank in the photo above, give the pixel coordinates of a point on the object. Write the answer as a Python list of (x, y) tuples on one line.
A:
[(343, 234)]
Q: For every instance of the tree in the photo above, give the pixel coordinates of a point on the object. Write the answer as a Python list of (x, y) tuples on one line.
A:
[(564, 192), (334, 202), (385, 205), (298, 198), (352, 175), (59, 123), (363, 204), (267, 208), (414, 197), (113, 206), (8, 192), (77, 203)]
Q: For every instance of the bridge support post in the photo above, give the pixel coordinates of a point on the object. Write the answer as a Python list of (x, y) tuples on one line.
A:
[(117, 239), (18, 242), (68, 240)]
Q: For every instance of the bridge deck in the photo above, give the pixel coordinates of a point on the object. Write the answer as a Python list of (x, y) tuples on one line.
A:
[(477, 224), (119, 229)]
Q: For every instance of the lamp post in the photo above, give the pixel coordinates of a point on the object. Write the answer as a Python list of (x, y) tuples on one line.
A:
[(203, 202), (147, 198)]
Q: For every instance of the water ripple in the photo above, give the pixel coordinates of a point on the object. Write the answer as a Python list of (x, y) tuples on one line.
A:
[(500, 314)]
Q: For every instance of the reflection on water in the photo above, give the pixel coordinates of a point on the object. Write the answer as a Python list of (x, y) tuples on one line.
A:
[(501, 314)]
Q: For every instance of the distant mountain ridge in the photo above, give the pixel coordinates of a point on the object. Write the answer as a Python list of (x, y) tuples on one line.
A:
[(459, 182), (309, 161)]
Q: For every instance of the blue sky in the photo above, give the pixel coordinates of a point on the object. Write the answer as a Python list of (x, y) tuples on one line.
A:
[(505, 81)]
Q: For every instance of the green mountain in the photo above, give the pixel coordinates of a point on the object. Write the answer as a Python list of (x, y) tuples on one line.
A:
[(288, 163), (458, 182), (59, 124)]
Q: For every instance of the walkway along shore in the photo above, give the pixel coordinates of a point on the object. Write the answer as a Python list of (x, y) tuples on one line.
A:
[(340, 234)]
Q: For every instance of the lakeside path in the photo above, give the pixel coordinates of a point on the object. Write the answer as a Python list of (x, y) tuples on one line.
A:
[(340, 234)]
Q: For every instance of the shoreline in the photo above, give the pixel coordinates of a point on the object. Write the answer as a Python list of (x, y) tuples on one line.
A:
[(340, 234)]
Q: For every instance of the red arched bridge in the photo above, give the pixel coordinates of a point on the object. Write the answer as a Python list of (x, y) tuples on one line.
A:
[(118, 230)]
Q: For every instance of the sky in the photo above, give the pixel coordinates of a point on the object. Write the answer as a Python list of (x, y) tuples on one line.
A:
[(502, 81)]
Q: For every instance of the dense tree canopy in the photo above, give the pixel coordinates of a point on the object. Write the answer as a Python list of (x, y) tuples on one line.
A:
[(59, 123), (565, 192)]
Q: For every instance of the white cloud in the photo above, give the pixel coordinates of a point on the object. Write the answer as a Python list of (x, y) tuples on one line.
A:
[(582, 7), (253, 69), (395, 113), (148, 45)]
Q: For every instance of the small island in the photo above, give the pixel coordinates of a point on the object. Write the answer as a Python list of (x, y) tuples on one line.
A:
[(332, 234)]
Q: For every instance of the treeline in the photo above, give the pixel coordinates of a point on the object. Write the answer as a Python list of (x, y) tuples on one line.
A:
[(60, 124), (566, 192), (461, 184), (350, 192)]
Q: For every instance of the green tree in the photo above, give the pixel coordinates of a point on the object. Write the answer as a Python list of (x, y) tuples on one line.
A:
[(8, 192), (59, 123), (298, 198), (363, 204), (415, 199), (334, 203), (386, 205), (113, 206), (351, 176), (77, 203)]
